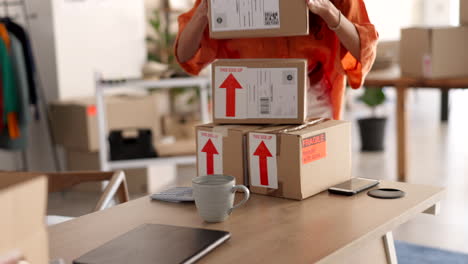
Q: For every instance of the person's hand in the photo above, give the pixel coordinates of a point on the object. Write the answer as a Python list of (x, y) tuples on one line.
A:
[(202, 9), (326, 10), (13, 257)]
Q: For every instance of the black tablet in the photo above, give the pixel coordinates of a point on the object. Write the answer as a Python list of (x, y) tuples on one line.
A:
[(151, 243)]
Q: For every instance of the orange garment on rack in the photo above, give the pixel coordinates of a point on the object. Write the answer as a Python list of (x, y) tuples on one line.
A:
[(4, 36), (9, 113), (328, 61)]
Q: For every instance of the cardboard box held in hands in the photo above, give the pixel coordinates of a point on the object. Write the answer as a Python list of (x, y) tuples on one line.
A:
[(257, 18), (260, 91), (297, 162), (23, 200), (222, 150)]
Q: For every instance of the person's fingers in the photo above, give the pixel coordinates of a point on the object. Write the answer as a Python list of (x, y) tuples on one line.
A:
[(11, 258)]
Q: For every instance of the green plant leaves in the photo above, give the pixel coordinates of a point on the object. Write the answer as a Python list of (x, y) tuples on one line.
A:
[(373, 96)]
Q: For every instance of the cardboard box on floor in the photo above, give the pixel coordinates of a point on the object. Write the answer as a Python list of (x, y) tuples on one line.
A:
[(260, 91), (434, 52), (74, 122), (23, 201), (222, 150), (297, 162), (251, 19)]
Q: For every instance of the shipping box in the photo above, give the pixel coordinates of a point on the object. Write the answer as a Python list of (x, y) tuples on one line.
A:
[(434, 52), (251, 19), (180, 126), (74, 122), (260, 91), (222, 150), (23, 202), (299, 161)]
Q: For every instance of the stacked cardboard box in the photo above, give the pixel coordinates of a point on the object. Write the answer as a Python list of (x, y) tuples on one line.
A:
[(252, 18), (74, 125), (262, 135)]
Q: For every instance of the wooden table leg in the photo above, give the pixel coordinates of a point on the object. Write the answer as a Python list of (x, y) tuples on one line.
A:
[(444, 105), (401, 133), (390, 251)]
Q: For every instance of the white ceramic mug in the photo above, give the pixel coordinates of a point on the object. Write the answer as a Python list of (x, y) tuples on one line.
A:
[(214, 196)]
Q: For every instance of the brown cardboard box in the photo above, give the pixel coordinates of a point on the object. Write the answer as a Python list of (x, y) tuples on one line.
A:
[(434, 52), (89, 161), (23, 200), (74, 122), (297, 162), (222, 150), (180, 126), (180, 147), (273, 18), (259, 91)]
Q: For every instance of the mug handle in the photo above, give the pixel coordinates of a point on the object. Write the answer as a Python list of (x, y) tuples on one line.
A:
[(246, 196)]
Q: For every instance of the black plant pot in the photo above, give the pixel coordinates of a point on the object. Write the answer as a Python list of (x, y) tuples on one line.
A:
[(372, 132)]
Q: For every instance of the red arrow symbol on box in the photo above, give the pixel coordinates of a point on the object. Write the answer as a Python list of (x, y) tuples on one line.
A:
[(210, 151), (231, 84), (263, 153)]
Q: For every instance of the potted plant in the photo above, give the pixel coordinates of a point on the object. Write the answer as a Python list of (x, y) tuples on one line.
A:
[(161, 53), (372, 129)]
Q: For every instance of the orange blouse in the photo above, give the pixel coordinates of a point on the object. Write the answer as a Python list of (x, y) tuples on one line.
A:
[(322, 48)]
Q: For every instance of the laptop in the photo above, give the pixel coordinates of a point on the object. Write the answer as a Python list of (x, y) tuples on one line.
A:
[(150, 244)]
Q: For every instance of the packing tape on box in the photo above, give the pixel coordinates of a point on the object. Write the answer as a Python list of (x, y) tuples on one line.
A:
[(223, 130), (310, 123), (306, 125)]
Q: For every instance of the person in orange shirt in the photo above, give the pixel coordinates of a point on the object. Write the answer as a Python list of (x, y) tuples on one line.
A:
[(341, 43)]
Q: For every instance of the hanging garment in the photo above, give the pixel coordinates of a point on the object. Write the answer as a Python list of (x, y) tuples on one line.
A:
[(4, 35), (18, 31), (2, 124), (21, 84), (6, 42), (10, 98)]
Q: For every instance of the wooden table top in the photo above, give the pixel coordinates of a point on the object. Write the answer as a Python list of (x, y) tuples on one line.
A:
[(393, 77), (265, 230)]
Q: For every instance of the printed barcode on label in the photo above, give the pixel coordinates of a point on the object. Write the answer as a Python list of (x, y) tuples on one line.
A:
[(271, 18), (265, 106)]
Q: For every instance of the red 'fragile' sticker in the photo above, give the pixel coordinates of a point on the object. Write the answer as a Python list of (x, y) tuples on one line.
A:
[(314, 148)]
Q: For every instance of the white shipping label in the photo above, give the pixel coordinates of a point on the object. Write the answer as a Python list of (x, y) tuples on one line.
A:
[(242, 92), (262, 155), (228, 15), (210, 153)]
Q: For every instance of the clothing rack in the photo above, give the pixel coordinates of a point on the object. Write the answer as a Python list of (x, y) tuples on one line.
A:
[(42, 100)]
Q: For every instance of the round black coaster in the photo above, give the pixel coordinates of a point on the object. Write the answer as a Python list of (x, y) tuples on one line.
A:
[(386, 193)]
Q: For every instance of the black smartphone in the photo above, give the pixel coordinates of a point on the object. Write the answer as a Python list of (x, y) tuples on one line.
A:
[(353, 186)]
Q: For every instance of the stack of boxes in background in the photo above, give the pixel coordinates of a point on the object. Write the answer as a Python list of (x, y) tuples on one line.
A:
[(262, 134), (436, 52), (74, 124)]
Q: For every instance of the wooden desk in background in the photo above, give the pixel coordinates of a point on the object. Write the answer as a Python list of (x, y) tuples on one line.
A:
[(325, 228), (392, 77)]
